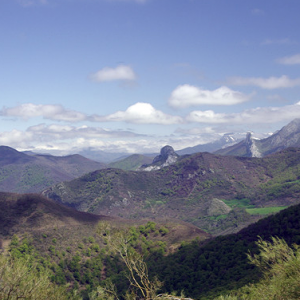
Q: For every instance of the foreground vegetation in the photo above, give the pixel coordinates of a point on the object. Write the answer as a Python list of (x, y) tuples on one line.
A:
[(23, 278), (90, 266)]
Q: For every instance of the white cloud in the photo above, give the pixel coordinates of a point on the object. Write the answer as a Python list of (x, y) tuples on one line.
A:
[(28, 3), (290, 60), (266, 83), (140, 113), (136, 1), (51, 112), (285, 41), (207, 116), (121, 72), (259, 115), (257, 12), (188, 95)]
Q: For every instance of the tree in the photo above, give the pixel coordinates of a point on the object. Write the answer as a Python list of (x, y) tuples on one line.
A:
[(280, 265), (20, 278), (119, 242)]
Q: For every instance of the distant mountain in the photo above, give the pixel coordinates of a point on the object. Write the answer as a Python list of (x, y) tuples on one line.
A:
[(225, 141), (23, 173), (131, 162), (288, 136), (166, 158), (102, 156), (216, 193)]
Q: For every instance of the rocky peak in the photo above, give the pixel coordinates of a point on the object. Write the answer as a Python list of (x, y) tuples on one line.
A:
[(166, 153), (166, 157)]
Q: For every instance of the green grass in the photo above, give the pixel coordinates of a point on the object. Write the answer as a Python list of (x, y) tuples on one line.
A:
[(219, 217), (244, 203), (265, 210)]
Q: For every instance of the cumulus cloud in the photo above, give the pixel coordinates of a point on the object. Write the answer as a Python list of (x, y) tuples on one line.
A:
[(188, 95), (121, 72), (48, 111), (266, 83), (140, 113), (259, 115), (290, 60)]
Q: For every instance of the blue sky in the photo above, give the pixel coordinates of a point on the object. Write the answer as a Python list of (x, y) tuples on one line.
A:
[(135, 75)]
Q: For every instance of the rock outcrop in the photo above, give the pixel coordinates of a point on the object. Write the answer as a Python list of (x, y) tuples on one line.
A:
[(167, 157)]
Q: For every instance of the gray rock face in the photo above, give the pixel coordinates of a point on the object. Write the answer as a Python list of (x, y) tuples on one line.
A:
[(167, 157), (252, 149)]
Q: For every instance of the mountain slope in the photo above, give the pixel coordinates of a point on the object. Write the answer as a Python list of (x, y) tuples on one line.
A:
[(288, 136), (22, 173), (210, 191)]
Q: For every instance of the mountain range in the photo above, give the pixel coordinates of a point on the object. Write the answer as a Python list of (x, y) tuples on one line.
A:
[(200, 196)]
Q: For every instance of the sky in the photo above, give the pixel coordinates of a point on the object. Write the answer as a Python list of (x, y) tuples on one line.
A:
[(135, 75)]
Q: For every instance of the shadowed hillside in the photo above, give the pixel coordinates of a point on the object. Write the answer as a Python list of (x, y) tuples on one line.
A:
[(35, 215)]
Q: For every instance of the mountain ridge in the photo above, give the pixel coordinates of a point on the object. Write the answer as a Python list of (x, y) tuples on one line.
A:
[(191, 189)]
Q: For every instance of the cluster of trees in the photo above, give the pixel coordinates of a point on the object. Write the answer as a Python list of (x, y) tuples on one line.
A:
[(280, 265)]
